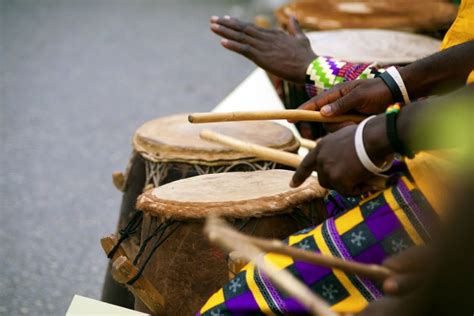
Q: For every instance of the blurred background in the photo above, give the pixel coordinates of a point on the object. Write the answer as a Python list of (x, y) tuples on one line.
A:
[(77, 79)]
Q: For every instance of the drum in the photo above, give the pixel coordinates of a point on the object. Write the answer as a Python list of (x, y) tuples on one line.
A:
[(169, 149), (426, 16), (186, 269), (357, 46)]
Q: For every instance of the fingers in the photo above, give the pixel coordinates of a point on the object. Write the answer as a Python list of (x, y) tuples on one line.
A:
[(307, 166), (401, 284), (231, 34), (412, 259), (347, 101), (239, 26), (410, 267), (294, 28), (240, 48), (321, 100), (336, 101)]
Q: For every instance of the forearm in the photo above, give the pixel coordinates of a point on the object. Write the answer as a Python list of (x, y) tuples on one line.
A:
[(440, 72), (419, 125)]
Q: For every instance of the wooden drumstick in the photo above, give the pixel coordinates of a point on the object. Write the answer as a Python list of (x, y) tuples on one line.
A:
[(280, 278), (262, 152), (373, 271), (270, 154), (307, 143), (123, 271), (292, 115)]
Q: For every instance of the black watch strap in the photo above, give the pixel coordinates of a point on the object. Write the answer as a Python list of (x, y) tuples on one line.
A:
[(392, 86)]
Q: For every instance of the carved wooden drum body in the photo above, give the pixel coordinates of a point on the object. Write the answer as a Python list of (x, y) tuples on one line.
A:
[(169, 149), (185, 268)]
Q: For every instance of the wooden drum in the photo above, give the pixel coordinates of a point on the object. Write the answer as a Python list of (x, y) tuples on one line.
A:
[(424, 16), (186, 269), (169, 149)]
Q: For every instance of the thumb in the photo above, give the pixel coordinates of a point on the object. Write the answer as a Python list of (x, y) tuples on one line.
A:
[(294, 28), (341, 105)]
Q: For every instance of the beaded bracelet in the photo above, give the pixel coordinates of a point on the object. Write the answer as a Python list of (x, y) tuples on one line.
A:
[(392, 134)]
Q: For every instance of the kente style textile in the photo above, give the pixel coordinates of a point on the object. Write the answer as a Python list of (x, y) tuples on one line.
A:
[(325, 72), (377, 227)]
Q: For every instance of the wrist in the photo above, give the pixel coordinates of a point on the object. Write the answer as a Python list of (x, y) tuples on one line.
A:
[(376, 141), (411, 81), (384, 96)]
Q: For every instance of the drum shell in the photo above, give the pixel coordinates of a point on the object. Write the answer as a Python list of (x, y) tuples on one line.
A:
[(136, 181), (157, 162), (186, 269)]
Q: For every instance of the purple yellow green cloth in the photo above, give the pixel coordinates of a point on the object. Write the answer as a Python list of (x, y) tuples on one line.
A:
[(325, 72), (365, 231)]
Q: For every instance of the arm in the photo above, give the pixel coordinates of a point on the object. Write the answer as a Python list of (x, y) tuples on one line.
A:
[(347, 175), (441, 72), (284, 55)]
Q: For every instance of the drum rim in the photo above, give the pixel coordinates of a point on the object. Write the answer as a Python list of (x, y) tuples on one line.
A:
[(380, 60), (270, 205), (282, 18), (166, 153)]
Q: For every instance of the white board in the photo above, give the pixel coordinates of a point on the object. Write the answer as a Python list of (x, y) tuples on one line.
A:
[(82, 306)]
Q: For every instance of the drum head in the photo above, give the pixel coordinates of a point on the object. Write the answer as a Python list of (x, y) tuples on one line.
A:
[(173, 138), (367, 46), (425, 15), (231, 195)]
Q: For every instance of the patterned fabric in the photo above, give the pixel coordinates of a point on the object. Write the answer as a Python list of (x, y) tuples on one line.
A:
[(379, 226), (325, 72)]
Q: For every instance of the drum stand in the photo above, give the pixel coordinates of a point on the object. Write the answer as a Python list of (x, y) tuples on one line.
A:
[(124, 272)]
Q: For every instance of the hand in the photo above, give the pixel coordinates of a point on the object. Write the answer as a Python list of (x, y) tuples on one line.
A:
[(411, 267), (336, 162), (286, 56), (369, 96)]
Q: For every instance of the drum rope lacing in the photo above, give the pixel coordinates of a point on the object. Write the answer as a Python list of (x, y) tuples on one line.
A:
[(161, 229), (130, 229), (156, 171), (159, 234)]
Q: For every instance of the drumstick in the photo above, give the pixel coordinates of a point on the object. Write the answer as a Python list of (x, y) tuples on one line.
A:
[(292, 115), (265, 153), (307, 143), (280, 278), (262, 152), (372, 271)]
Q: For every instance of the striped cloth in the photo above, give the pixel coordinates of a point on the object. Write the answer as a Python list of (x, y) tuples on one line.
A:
[(377, 227), (323, 73)]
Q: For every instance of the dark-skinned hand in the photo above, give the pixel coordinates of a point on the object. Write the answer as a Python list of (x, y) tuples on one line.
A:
[(405, 289), (284, 55), (336, 162), (410, 268), (369, 96)]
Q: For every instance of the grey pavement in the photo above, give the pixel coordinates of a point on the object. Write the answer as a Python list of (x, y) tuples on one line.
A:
[(77, 78)]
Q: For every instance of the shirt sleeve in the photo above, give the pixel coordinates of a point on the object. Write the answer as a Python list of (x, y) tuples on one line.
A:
[(323, 73)]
